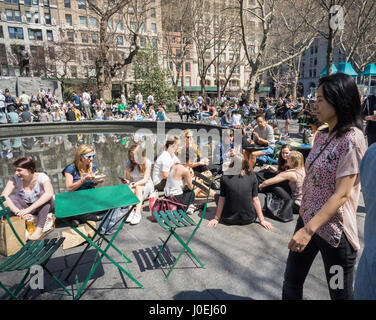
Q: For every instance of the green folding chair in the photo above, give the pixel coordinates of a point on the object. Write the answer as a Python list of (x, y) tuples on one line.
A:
[(33, 253), (178, 219)]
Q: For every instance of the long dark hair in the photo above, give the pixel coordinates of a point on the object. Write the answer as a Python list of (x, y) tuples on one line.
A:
[(341, 91)]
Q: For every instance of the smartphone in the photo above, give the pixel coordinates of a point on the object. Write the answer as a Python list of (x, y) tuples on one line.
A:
[(122, 180)]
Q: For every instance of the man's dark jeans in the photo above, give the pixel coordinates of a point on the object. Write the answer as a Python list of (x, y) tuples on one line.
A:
[(298, 265)]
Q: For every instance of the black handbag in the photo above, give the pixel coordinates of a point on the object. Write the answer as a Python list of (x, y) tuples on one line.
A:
[(278, 208)]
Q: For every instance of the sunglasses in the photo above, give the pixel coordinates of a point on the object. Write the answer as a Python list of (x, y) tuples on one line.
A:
[(88, 157)]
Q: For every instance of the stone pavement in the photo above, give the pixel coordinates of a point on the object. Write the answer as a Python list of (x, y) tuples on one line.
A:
[(243, 263)]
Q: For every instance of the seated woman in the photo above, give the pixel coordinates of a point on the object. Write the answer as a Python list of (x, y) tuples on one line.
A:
[(34, 194), (164, 162), (179, 185), (80, 174), (190, 151), (189, 156), (238, 202), (137, 175), (295, 177)]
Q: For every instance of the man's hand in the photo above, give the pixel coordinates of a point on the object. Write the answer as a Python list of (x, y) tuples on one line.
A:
[(370, 118)]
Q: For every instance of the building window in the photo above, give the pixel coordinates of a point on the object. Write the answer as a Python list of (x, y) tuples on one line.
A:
[(68, 19), (35, 2), (13, 15), (154, 42), (28, 15), (47, 18), (50, 36), (94, 38), (187, 67), (67, 4), (152, 12), (73, 70), (133, 26), (35, 34), (70, 36), (120, 40), (142, 42), (153, 28), (83, 21), (36, 17), (1, 32), (85, 38), (46, 3), (27, 2), (93, 22), (15, 33), (187, 81), (82, 4)]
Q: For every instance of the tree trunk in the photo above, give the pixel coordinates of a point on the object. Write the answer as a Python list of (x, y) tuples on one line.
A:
[(104, 81), (329, 51), (252, 86)]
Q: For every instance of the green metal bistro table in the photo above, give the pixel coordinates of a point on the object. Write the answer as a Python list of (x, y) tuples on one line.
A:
[(72, 204)]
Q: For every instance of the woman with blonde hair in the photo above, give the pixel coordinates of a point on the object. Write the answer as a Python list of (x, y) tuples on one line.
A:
[(295, 177), (80, 174), (138, 176)]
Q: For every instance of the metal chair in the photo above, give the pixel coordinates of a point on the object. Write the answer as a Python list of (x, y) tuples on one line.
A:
[(33, 253), (174, 220)]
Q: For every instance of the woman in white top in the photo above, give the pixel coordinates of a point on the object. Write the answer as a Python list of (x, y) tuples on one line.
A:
[(236, 119), (99, 113), (164, 162), (179, 185), (34, 194), (137, 175)]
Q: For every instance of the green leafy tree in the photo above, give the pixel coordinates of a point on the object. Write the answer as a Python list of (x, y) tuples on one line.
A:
[(151, 78)]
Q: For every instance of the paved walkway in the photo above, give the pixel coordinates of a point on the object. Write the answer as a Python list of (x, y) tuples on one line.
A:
[(243, 262)]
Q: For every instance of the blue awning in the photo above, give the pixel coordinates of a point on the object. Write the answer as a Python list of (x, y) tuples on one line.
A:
[(324, 71), (370, 70), (346, 67)]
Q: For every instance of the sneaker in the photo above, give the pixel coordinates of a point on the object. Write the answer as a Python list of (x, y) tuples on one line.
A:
[(130, 217), (136, 218), (191, 209)]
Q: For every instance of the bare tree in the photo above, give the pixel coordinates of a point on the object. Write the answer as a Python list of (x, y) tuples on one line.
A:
[(333, 13), (177, 37), (109, 61), (262, 54), (209, 30), (358, 38)]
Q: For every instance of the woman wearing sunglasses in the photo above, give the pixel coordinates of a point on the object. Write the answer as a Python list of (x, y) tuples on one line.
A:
[(80, 174)]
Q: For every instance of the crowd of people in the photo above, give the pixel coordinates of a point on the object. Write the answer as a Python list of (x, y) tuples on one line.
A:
[(45, 107), (323, 189)]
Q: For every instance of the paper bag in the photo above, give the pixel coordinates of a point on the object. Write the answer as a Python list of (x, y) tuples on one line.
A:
[(9, 243), (73, 239)]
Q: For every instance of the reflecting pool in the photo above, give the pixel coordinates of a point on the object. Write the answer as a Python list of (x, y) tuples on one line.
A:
[(52, 153)]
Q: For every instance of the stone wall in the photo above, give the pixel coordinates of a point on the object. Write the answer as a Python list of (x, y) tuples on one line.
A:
[(30, 85)]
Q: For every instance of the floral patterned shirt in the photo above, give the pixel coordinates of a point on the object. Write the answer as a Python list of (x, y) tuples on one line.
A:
[(341, 158)]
